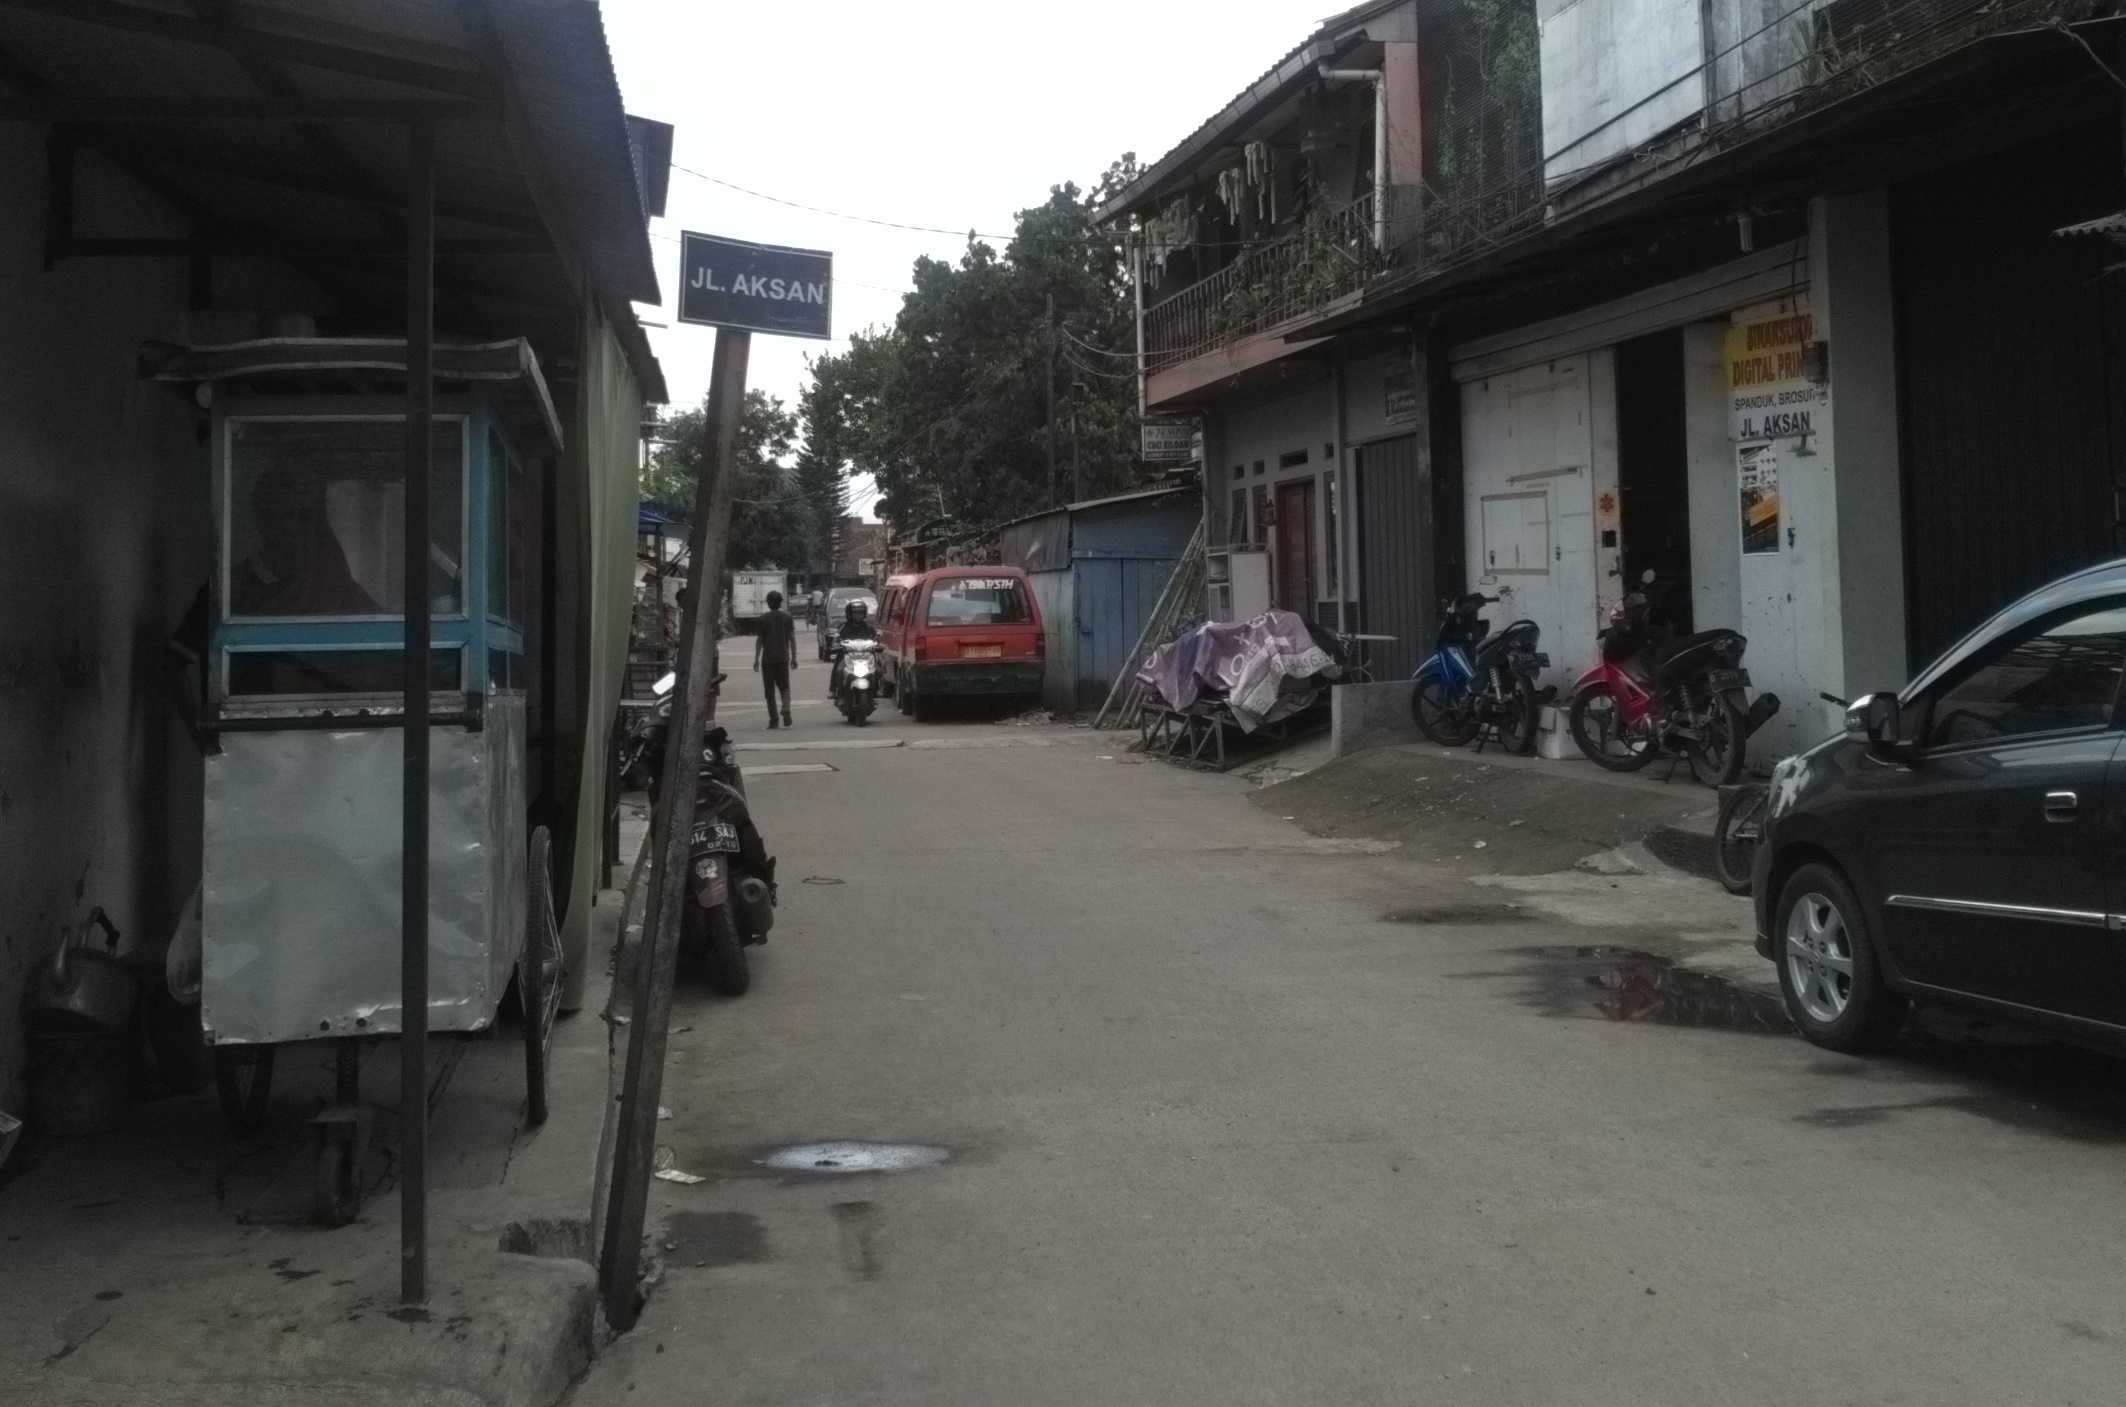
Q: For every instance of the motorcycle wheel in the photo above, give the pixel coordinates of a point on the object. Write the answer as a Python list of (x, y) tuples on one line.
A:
[(1735, 837), (1716, 756), (1599, 729), (1440, 717), (1518, 714), (723, 952)]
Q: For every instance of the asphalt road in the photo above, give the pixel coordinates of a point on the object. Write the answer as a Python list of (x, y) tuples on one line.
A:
[(1223, 1131)]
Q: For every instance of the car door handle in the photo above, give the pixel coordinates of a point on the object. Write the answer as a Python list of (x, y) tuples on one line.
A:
[(2062, 805)]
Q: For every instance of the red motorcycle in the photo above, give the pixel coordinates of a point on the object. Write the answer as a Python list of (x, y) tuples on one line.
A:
[(1657, 693)]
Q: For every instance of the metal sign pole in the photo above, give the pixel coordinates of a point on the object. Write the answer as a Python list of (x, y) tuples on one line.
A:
[(671, 831), (413, 855)]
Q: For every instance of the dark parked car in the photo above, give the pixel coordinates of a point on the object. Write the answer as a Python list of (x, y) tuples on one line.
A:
[(1961, 842)]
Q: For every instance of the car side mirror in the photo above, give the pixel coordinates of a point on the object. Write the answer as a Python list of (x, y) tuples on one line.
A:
[(1877, 721)]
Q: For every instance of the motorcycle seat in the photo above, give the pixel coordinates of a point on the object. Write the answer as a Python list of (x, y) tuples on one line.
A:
[(1676, 645)]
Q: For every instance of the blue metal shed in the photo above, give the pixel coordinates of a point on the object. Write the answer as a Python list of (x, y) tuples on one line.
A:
[(1097, 569)]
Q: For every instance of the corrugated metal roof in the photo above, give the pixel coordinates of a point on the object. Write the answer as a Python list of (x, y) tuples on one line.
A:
[(1290, 73), (549, 158), (1099, 503), (2112, 224)]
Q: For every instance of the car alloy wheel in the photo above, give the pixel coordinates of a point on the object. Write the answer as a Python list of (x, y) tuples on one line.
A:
[(1819, 957)]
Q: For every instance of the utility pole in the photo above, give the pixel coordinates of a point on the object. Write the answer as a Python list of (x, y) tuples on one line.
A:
[(671, 830), (413, 814), (1077, 465), (1051, 400)]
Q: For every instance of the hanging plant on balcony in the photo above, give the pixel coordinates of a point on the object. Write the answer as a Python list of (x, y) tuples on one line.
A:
[(1233, 192), (1261, 160)]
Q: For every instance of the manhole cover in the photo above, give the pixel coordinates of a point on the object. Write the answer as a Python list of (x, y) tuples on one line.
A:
[(853, 1156)]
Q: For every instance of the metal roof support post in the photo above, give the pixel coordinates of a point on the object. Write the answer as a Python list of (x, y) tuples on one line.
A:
[(413, 855)]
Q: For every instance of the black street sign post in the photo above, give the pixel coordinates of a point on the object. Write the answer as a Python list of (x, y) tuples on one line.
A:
[(739, 289), (732, 283)]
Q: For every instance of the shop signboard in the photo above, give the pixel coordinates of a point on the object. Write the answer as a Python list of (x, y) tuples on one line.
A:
[(749, 287), (1775, 377), (1399, 396), (1170, 441)]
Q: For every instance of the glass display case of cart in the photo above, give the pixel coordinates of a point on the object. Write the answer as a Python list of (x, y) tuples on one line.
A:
[(304, 692)]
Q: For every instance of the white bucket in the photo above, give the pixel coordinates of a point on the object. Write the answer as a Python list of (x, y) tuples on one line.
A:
[(1553, 739)]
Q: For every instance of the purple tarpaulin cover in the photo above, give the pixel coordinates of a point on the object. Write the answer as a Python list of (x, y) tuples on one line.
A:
[(1247, 663)]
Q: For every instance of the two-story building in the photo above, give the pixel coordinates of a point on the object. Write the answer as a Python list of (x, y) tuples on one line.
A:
[(1270, 218), (1803, 308)]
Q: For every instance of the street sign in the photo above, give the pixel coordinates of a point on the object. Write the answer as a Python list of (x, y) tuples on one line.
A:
[(1168, 442), (756, 287)]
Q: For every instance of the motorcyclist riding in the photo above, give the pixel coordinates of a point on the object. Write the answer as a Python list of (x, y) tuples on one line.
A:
[(856, 625)]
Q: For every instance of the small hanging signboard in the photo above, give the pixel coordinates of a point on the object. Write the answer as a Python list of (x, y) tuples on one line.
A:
[(1167, 441), (756, 287)]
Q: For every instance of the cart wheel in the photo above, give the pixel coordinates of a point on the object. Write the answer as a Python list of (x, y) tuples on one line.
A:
[(243, 1077), (336, 1192), (539, 976)]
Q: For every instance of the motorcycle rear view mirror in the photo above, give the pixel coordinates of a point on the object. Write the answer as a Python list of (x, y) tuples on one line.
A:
[(664, 685)]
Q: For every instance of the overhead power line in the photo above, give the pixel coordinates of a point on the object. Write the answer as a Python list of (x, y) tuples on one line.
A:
[(969, 233)]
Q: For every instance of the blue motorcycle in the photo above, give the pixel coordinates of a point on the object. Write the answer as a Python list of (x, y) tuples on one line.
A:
[(1476, 681)]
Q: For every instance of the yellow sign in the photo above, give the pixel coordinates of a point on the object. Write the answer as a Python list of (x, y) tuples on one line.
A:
[(1770, 394)]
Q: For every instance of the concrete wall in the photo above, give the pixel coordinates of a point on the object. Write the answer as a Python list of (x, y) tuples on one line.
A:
[(1370, 715), (103, 543), (1826, 613), (1853, 298), (1715, 514)]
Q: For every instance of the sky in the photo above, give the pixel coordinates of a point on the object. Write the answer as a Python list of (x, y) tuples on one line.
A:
[(954, 114)]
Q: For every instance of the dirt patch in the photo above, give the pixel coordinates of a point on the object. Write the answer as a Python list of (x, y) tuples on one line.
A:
[(1461, 914), (1479, 818)]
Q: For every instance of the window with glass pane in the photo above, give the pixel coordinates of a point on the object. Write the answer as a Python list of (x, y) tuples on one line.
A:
[(315, 518), (978, 601), (2062, 679)]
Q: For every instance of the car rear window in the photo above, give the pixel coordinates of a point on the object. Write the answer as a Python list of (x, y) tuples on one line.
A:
[(978, 600)]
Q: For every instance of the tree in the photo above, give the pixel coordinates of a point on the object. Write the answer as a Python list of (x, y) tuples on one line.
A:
[(771, 524), (821, 475), (947, 408)]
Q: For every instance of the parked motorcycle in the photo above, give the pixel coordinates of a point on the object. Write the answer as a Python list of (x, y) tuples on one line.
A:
[(1475, 680), (731, 888), (1657, 693), (855, 683)]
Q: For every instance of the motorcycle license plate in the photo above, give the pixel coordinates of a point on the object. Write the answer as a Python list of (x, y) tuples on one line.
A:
[(1729, 679), (981, 652), (714, 837)]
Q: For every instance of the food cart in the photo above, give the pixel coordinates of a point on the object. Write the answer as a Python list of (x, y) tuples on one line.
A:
[(302, 712)]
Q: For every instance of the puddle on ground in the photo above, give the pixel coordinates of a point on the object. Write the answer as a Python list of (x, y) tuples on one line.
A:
[(709, 1239), (846, 1155), (1619, 984)]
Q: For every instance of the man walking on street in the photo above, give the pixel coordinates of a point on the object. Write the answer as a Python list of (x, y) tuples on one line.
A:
[(775, 655), (819, 608)]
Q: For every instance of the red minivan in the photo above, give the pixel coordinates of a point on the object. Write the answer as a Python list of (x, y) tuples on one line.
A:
[(961, 632)]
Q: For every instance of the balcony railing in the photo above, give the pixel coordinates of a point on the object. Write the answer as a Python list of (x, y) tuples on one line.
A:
[(1329, 255), (1773, 72)]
